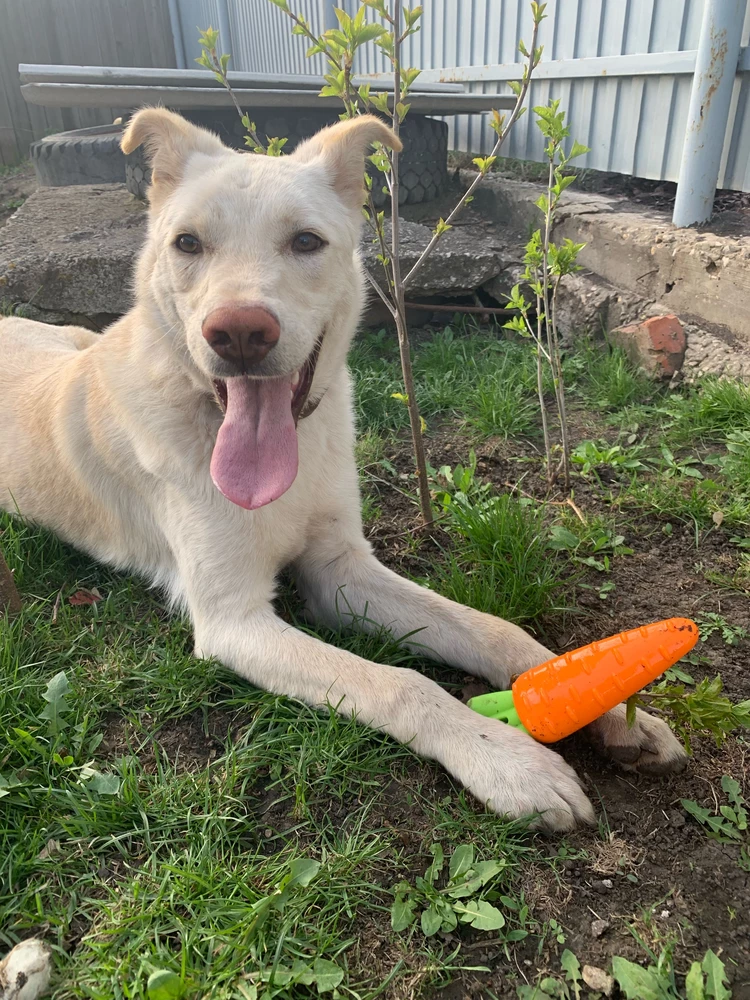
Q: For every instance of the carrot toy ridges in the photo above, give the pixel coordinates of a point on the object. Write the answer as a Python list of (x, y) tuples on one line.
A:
[(565, 694)]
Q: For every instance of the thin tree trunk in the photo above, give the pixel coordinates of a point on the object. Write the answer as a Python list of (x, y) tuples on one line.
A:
[(560, 396), (551, 471), (341, 61), (538, 339), (543, 408), (415, 421)]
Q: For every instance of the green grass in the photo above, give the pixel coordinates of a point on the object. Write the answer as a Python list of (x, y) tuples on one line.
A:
[(487, 380), (169, 872), (502, 563), (688, 501), (220, 789), (603, 377), (708, 412), (12, 170), (480, 378), (699, 445), (501, 406)]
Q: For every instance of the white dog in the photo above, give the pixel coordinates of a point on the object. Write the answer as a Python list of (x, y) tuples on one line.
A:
[(205, 441)]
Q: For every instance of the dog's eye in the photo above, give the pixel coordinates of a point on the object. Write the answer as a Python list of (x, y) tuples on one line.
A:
[(306, 243), (188, 243)]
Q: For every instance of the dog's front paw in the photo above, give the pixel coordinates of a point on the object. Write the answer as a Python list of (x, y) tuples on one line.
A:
[(517, 777), (649, 746)]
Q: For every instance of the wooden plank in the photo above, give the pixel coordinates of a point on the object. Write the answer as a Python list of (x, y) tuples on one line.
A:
[(115, 38), (15, 124), (140, 43), (114, 33), (645, 64), (59, 47), (98, 40), (89, 32), (9, 150), (159, 34), (20, 38), (40, 39)]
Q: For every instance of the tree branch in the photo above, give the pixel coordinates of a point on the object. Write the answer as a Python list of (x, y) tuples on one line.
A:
[(384, 298)]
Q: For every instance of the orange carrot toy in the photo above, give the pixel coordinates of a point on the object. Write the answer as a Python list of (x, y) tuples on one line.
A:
[(565, 694)]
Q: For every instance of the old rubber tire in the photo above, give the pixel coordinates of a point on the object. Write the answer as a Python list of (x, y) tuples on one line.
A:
[(137, 173), (423, 165), (82, 156)]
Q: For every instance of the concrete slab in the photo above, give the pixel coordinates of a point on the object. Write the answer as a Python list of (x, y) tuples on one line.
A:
[(708, 354), (466, 258), (67, 255), (69, 252), (689, 272)]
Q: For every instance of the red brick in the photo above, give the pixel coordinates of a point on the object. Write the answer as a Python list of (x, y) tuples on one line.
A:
[(657, 345)]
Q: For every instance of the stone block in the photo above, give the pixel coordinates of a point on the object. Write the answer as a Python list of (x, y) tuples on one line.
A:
[(69, 253), (657, 345)]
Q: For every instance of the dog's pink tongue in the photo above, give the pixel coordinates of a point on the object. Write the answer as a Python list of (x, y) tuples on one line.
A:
[(255, 455)]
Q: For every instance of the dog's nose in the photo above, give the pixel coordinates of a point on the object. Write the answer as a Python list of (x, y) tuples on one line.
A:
[(242, 335)]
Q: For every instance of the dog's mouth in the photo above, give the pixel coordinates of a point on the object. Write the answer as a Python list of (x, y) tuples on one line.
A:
[(255, 457), (300, 384)]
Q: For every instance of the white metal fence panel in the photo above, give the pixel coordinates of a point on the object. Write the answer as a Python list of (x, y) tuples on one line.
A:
[(268, 42), (260, 34), (622, 70)]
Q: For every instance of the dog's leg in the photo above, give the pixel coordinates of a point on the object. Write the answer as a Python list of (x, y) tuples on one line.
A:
[(45, 336), (228, 592), (503, 768), (342, 582)]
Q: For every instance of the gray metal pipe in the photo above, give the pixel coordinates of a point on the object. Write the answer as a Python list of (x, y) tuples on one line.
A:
[(142, 76), (708, 114), (81, 95)]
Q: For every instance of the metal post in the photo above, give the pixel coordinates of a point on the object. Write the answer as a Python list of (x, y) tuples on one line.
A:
[(708, 114)]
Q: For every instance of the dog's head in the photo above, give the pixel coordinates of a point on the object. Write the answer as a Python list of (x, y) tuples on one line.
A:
[(251, 264)]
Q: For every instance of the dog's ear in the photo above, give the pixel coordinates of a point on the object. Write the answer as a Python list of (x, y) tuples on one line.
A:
[(343, 147), (169, 140)]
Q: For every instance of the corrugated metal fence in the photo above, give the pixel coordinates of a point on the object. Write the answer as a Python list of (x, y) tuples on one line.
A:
[(621, 68), (260, 38), (90, 32)]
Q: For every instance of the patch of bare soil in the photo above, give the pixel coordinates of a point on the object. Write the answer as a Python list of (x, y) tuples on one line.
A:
[(649, 864), (189, 743), (731, 212), (15, 188)]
